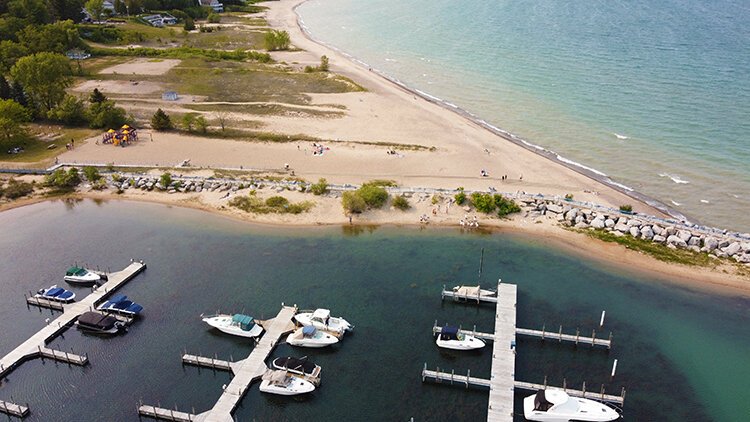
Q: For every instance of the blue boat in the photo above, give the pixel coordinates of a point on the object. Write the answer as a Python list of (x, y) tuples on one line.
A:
[(120, 304), (57, 294)]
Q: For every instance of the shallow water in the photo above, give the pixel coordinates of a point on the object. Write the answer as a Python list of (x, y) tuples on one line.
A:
[(681, 353), (653, 93)]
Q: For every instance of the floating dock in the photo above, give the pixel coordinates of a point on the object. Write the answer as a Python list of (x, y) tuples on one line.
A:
[(245, 372), (502, 381), (36, 344)]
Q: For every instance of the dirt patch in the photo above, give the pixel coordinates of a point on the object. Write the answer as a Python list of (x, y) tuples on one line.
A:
[(142, 67), (120, 87)]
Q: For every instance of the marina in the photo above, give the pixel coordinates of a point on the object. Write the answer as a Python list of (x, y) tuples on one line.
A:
[(36, 344), (502, 382)]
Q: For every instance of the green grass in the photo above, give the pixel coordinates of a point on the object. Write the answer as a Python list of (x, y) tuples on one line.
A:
[(226, 39), (265, 109), (274, 204), (656, 250), (183, 53), (35, 149)]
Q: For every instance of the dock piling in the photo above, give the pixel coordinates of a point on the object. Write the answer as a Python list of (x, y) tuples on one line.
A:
[(614, 368), (601, 321)]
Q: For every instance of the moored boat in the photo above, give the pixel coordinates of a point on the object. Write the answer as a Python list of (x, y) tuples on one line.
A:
[(237, 324), (298, 366), (57, 294), (453, 338), (280, 382), (311, 337), (79, 275), (322, 320), (121, 305), (473, 292), (553, 405), (99, 323)]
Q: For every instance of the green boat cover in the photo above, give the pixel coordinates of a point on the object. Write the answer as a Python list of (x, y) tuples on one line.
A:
[(75, 271), (245, 322)]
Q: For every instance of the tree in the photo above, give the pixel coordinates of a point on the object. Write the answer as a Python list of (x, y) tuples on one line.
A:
[(505, 206), (44, 77), (63, 180), (66, 9), (18, 95), (188, 121), (121, 8), (353, 203), (483, 202), (95, 9), (320, 188), (373, 195), (91, 173), (276, 40), (165, 179), (201, 124), (106, 115), (10, 52), (70, 111), (97, 96), (161, 121), (4, 88), (58, 37), (12, 118), (189, 24), (460, 197), (222, 116), (323, 64), (32, 11)]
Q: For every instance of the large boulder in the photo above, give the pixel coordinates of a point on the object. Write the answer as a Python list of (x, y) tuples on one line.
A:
[(598, 223), (694, 241), (723, 243), (635, 231), (622, 228), (657, 229), (676, 241), (623, 221), (609, 223), (670, 231), (571, 215), (633, 222), (554, 208), (744, 258), (710, 244), (580, 220), (745, 246), (684, 235), (659, 239), (559, 217), (732, 249), (647, 233)]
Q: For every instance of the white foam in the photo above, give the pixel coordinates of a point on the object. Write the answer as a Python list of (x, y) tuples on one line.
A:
[(676, 204), (390, 60), (618, 136), (620, 185), (593, 170), (704, 201), (675, 179)]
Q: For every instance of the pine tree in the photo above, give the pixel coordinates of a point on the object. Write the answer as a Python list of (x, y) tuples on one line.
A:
[(97, 97), (4, 88), (161, 121), (18, 95)]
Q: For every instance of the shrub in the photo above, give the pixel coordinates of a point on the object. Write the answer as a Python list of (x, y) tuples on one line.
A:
[(70, 111), (274, 204), (324, 66), (436, 198), (161, 121), (188, 121), (277, 202), (401, 203), (626, 208), (353, 203), (505, 206), (201, 124), (16, 189), (569, 197), (189, 24), (63, 180), (214, 18), (165, 179), (460, 197), (91, 173), (320, 188), (374, 196), (483, 202), (106, 114), (276, 40)]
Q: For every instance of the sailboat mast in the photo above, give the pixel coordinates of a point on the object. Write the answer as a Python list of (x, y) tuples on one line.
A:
[(481, 263)]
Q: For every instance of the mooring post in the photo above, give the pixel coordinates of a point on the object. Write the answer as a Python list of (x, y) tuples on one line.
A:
[(614, 368), (577, 334), (468, 376), (609, 345), (593, 338), (601, 321), (565, 384), (584, 389), (545, 382), (543, 326), (560, 335)]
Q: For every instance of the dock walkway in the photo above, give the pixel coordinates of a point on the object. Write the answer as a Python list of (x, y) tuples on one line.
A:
[(558, 336), (245, 372), (36, 344), (502, 374)]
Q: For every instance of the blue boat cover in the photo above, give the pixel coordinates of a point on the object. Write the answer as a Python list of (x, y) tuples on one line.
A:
[(118, 298), (452, 331), (65, 294), (122, 305), (244, 321), (134, 308), (54, 292), (308, 331)]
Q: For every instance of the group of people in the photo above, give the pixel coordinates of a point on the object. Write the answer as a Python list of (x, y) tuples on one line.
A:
[(424, 218), (318, 149), (468, 221)]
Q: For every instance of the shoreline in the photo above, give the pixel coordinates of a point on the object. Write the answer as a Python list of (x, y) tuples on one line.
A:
[(611, 255), (552, 156)]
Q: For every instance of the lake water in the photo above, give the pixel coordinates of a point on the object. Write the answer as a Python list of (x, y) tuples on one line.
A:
[(682, 354), (654, 93)]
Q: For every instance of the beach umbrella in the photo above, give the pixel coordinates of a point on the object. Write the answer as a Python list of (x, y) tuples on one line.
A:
[(111, 131), (125, 131), (125, 127)]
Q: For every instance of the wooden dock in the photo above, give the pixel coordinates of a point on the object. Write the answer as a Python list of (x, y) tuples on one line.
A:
[(468, 381), (45, 303), (502, 374), (245, 372), (167, 414), (13, 409), (544, 335), (468, 298), (36, 344)]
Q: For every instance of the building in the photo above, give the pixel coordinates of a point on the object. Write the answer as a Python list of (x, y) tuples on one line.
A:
[(213, 4), (170, 96)]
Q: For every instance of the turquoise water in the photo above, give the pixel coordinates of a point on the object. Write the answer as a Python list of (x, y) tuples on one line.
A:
[(682, 354), (654, 93)]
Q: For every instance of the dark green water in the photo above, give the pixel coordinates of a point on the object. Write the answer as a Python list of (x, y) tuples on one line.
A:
[(682, 354)]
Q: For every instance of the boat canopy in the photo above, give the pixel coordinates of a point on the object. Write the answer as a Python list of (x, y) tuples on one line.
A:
[(118, 299), (321, 314), (274, 377), (244, 321), (449, 333), (540, 402), (76, 271), (296, 363), (468, 290), (96, 320), (54, 292), (308, 331)]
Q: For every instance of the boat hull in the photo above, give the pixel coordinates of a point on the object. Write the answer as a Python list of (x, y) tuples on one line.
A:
[(468, 343), (322, 340), (221, 324), (89, 278), (295, 387), (336, 324), (587, 411)]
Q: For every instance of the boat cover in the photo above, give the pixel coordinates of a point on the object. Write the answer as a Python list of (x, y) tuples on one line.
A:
[(134, 308), (118, 298), (468, 291), (274, 377), (54, 292), (96, 320), (122, 305), (321, 314), (75, 271), (449, 333), (308, 331), (540, 402), (244, 321), (66, 294), (295, 363)]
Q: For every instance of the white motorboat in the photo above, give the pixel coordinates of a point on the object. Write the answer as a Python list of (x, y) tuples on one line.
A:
[(78, 275), (552, 405), (472, 292), (452, 338), (322, 320), (311, 337), (237, 324), (279, 382), (298, 366), (57, 294)]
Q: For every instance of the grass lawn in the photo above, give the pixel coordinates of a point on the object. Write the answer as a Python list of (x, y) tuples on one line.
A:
[(36, 147), (266, 109)]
